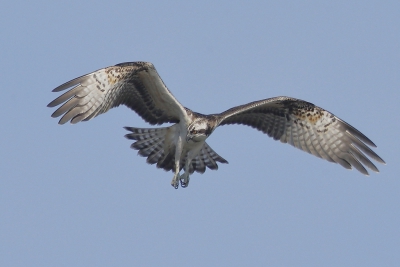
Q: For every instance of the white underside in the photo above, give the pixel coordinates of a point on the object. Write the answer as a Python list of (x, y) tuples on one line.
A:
[(183, 148)]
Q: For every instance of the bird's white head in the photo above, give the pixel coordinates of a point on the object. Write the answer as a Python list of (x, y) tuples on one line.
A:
[(198, 131)]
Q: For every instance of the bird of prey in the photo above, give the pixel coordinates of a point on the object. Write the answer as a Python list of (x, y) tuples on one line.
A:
[(182, 145)]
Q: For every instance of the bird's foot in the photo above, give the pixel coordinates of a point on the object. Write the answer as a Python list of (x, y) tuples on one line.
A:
[(184, 180), (175, 181)]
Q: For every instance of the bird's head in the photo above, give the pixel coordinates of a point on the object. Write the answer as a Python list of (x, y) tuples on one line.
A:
[(198, 131)]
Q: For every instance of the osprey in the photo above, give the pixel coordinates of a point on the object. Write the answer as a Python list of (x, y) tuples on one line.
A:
[(138, 86)]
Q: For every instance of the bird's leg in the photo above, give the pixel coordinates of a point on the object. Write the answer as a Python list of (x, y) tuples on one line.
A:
[(175, 179), (178, 152), (184, 178)]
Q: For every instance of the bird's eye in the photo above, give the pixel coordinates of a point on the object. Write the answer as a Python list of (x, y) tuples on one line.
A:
[(194, 132)]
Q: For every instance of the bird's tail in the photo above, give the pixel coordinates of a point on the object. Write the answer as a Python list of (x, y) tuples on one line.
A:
[(151, 144), (207, 157)]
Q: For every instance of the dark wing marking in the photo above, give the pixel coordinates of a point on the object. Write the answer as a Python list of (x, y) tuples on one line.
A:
[(136, 85), (307, 127)]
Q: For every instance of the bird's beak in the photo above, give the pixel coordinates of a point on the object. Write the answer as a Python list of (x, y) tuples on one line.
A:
[(188, 138)]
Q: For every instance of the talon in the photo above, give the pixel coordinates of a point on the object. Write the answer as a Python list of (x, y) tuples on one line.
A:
[(183, 184), (184, 179), (175, 185), (175, 182)]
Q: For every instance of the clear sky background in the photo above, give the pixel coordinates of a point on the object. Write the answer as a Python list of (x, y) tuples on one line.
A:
[(77, 195)]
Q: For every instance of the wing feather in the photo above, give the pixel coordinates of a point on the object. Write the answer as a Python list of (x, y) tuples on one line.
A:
[(362, 158), (307, 127), (136, 85)]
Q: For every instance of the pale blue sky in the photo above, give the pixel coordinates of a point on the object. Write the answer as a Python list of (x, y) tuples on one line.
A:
[(77, 195)]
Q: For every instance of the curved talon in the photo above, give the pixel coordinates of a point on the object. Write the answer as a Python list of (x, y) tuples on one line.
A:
[(175, 182), (183, 184), (184, 179)]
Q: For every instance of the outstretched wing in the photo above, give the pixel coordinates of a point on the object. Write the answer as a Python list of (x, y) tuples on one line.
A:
[(135, 84), (307, 127)]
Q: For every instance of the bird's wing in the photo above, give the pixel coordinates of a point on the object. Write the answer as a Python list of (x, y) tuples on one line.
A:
[(136, 85), (307, 127)]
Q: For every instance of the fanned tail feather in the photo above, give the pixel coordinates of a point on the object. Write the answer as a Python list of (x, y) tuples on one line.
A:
[(150, 143), (207, 157)]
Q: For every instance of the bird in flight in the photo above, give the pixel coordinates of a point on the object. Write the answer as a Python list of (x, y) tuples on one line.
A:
[(182, 145)]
